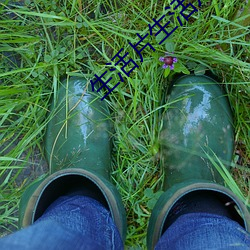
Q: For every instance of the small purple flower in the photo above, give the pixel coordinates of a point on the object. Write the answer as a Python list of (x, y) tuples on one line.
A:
[(161, 59), (168, 61)]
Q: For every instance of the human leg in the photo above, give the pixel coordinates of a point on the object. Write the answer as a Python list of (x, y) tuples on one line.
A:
[(197, 133), (78, 150), (71, 222), (204, 231)]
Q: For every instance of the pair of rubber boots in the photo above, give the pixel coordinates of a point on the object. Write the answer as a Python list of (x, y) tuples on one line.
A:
[(197, 131)]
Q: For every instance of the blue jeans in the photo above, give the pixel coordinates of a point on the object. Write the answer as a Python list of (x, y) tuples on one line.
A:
[(70, 223), (204, 231), (80, 222)]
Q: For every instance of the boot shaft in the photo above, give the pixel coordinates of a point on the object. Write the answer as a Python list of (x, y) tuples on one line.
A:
[(197, 122)]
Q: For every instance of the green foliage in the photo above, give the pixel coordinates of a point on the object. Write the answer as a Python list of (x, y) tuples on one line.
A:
[(153, 197), (44, 41)]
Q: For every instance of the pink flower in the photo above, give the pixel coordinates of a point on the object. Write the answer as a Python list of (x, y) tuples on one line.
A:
[(168, 61)]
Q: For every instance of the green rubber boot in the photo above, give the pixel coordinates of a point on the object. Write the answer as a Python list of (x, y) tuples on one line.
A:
[(78, 149), (197, 125)]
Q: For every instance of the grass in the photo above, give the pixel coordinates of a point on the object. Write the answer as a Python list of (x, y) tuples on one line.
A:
[(46, 41)]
